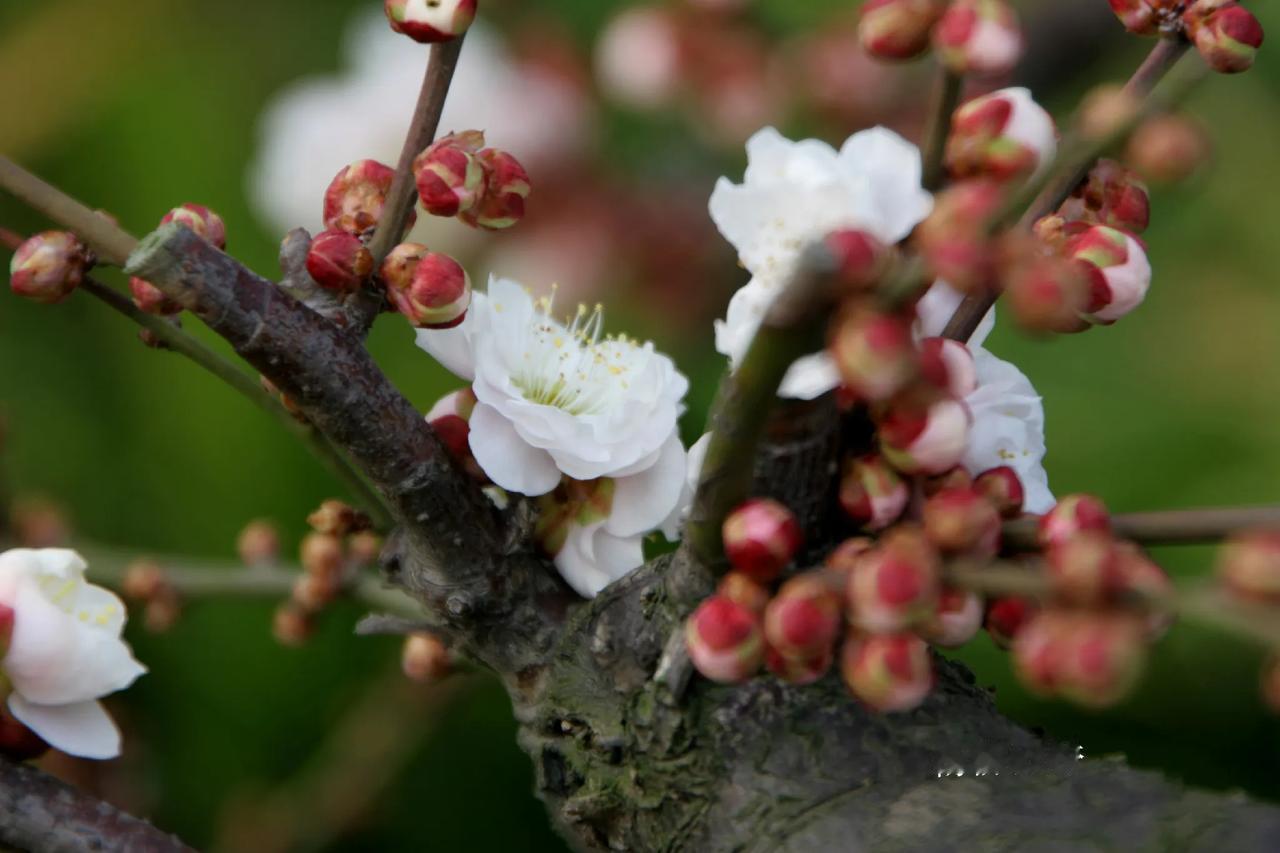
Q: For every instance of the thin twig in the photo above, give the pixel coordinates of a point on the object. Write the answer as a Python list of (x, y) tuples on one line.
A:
[(1167, 527), (109, 242), (945, 99)]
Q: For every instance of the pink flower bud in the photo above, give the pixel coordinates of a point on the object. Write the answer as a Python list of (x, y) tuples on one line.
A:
[(1110, 195), (1226, 34), (1085, 569), (953, 238), (724, 641), (1168, 148), (151, 299), (861, 259), (760, 538), (798, 671), (449, 174), (848, 554), (1073, 515), (356, 196), (48, 266), (1102, 657), (928, 441), (1004, 135), (398, 267), (897, 29), (1006, 617), (895, 587), (506, 186), (424, 658), (1002, 487), (1248, 565), (962, 521), (955, 620), (450, 420), (291, 625), (874, 353), (979, 37), (200, 219), (887, 672), (1119, 271), (437, 295), (1138, 16), (956, 478), (258, 543), (744, 590), (1140, 573), (872, 493), (948, 365), (803, 619), (430, 21), (1049, 294), (322, 554), (1039, 649), (338, 261)]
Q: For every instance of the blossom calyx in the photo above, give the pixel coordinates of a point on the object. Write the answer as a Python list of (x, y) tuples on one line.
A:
[(48, 267), (430, 21), (724, 640), (761, 537)]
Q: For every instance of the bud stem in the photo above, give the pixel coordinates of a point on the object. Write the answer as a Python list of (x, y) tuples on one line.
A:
[(110, 243), (946, 98), (1167, 527)]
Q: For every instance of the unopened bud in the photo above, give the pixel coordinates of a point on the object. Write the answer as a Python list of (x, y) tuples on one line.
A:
[(1168, 148), (948, 365), (144, 580), (743, 590), (798, 671), (874, 353), (506, 186), (357, 195), (338, 261), (438, 294), (760, 538), (956, 619), (162, 613), (337, 519), (1004, 135), (848, 554), (1086, 569), (962, 521), (1002, 487), (1118, 269), (925, 439), (1248, 565), (1049, 293), (1006, 617), (953, 237), (861, 259), (258, 543), (895, 587), (872, 493), (1140, 574), (321, 554), (898, 29), (151, 299), (724, 640), (364, 548), (201, 220), (1141, 17), (1102, 658), (979, 37), (1110, 195), (1226, 34), (424, 658), (887, 672), (1073, 515), (313, 592), (803, 619), (449, 175), (956, 478), (291, 625), (429, 21), (48, 267)]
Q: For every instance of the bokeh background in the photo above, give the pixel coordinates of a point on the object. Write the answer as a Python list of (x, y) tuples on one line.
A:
[(237, 743)]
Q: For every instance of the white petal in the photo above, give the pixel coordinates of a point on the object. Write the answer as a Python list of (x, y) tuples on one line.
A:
[(576, 561), (643, 500), (508, 459), (452, 347), (891, 166), (83, 729), (810, 377), (693, 473)]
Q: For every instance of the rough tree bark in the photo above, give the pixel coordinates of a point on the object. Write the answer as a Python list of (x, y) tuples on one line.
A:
[(621, 761)]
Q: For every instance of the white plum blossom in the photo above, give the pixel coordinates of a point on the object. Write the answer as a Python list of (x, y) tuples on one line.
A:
[(795, 193), (65, 650), (557, 401)]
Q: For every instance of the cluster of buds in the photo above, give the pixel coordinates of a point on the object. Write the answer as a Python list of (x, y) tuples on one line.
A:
[(430, 21), (48, 267), (195, 217), (1226, 34), (979, 37), (484, 187), (147, 583)]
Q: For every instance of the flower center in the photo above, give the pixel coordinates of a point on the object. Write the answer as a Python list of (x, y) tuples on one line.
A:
[(65, 594)]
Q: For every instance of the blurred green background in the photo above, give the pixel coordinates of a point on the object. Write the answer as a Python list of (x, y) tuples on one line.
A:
[(137, 105)]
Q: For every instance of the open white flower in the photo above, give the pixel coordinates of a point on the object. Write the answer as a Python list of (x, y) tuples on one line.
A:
[(794, 193), (65, 651), (556, 401)]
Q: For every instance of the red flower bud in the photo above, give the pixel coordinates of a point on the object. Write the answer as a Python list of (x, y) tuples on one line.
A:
[(953, 238), (322, 554), (917, 439), (337, 518), (438, 293), (1140, 573), (1119, 271), (846, 556), (1093, 659), (506, 186), (151, 299), (724, 640), (450, 420), (1048, 294), (803, 619), (872, 493), (948, 365), (874, 353), (887, 672), (48, 266), (200, 219), (1002, 487), (956, 478), (1006, 617), (744, 590), (897, 29), (861, 259), (356, 196), (962, 521), (1168, 148), (760, 538), (955, 620), (1086, 569), (430, 21), (424, 658), (1110, 195), (258, 543), (798, 671), (338, 261), (895, 587), (1073, 515), (1004, 135), (17, 742), (979, 37), (449, 174), (1141, 17), (1226, 34), (1248, 565), (292, 626)]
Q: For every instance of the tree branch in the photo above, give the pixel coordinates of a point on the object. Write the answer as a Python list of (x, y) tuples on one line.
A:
[(933, 150), (1163, 527), (111, 243), (39, 812)]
